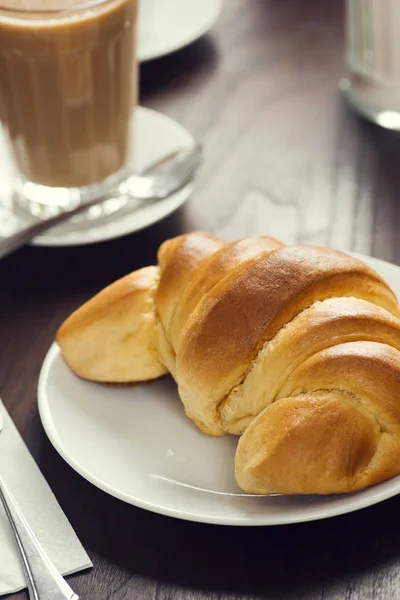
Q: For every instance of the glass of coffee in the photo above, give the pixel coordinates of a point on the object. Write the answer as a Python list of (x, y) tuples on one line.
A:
[(68, 91)]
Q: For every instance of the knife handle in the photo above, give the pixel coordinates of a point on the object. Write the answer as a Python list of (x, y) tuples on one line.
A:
[(43, 580)]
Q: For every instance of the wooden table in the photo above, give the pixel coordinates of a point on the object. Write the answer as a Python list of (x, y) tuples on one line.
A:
[(283, 156)]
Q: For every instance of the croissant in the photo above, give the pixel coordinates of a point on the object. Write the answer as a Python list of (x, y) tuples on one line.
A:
[(296, 349)]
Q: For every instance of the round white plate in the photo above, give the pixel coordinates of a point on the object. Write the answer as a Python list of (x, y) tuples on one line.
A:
[(137, 444), (168, 25), (155, 135)]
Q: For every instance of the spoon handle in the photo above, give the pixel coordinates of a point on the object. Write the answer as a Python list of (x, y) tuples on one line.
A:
[(21, 237), (179, 165), (43, 580)]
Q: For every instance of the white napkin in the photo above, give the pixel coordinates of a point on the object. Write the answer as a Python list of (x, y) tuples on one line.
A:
[(41, 510)]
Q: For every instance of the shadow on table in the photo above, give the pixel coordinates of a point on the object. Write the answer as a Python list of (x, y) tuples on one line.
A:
[(175, 72), (271, 562), (45, 273)]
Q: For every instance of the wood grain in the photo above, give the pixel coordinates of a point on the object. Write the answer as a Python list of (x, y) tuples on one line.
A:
[(283, 156)]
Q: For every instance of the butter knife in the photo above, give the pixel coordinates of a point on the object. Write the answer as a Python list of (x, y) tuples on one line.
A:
[(43, 580)]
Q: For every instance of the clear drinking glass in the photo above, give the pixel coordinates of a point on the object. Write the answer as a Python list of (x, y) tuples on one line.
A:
[(373, 59), (68, 89)]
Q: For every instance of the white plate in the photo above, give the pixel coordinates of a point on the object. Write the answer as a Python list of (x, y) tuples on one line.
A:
[(168, 25), (155, 135), (137, 444)]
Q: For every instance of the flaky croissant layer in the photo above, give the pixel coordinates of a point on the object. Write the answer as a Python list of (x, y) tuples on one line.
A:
[(295, 348)]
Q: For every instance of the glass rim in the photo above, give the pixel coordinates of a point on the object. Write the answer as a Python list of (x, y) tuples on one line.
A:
[(16, 12)]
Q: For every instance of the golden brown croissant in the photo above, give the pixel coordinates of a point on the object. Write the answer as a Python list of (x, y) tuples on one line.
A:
[(296, 348)]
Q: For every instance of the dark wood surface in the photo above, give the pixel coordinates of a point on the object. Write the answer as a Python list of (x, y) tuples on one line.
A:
[(283, 156)]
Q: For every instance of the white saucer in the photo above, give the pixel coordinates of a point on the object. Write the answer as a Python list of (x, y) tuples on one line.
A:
[(137, 444), (155, 135), (168, 25)]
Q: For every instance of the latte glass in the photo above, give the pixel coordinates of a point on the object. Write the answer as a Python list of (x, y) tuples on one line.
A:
[(68, 91)]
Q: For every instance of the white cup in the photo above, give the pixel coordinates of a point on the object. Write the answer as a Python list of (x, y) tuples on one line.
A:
[(146, 19)]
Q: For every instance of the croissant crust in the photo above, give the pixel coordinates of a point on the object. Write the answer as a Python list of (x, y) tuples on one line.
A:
[(296, 349)]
